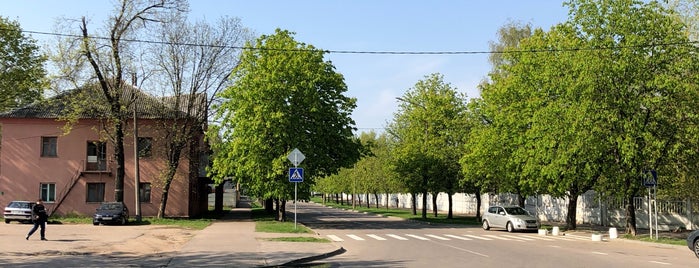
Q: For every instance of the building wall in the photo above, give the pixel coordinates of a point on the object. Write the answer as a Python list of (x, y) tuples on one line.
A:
[(22, 169), (590, 208)]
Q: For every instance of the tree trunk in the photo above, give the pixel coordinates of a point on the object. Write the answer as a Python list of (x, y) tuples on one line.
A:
[(376, 196), (368, 204), (269, 206), (424, 204), (434, 204), (282, 211), (572, 211), (520, 200), (413, 199), (631, 217), (170, 173), (119, 157), (478, 205), (450, 215), (174, 152)]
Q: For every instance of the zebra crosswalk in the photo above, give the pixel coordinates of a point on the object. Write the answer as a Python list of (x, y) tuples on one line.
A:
[(447, 237)]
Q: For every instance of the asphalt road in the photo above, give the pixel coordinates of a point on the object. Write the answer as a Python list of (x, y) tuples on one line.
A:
[(375, 241)]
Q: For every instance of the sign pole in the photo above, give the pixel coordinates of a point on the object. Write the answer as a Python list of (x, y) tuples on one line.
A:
[(650, 213), (655, 203), (296, 175), (296, 186)]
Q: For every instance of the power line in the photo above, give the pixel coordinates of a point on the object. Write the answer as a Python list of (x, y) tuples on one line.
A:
[(548, 50)]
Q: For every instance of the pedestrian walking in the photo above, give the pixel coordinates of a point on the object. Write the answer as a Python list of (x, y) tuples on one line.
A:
[(40, 217)]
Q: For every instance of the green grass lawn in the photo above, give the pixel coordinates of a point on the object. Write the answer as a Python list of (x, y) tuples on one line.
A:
[(265, 223)]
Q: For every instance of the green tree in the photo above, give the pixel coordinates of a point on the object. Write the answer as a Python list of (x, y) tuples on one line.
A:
[(22, 74), (509, 37), (643, 97), (560, 141), (428, 129), (605, 97), (284, 96), (499, 122)]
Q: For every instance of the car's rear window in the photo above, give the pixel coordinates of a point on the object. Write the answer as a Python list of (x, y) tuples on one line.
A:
[(111, 206), (18, 205)]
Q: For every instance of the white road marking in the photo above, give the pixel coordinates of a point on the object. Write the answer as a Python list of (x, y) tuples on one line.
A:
[(376, 237), (599, 253), (496, 237), (578, 237), (335, 238), (397, 237), (355, 237), (540, 237), (663, 263), (458, 237), (416, 237), (437, 237), (478, 237), (518, 237)]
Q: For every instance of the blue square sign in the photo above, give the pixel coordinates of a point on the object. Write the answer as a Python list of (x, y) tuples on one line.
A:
[(296, 175)]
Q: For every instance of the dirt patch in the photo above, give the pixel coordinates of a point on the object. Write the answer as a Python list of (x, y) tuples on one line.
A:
[(86, 239), (159, 240)]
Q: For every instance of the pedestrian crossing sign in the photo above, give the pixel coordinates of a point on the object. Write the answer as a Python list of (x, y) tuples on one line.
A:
[(296, 175)]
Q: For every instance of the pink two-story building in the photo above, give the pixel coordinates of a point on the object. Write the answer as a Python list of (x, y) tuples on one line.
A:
[(74, 171)]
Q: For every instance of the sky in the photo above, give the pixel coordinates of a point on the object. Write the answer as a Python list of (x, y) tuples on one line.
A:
[(375, 80)]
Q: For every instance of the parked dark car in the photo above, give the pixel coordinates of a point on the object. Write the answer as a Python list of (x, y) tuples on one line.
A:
[(111, 212), (693, 242), (20, 211)]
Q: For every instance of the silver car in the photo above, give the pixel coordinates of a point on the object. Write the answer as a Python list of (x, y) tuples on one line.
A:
[(512, 218), (18, 211)]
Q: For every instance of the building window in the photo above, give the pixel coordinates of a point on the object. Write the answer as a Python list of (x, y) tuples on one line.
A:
[(145, 145), (48, 146), (48, 192), (95, 192), (144, 192), (96, 156)]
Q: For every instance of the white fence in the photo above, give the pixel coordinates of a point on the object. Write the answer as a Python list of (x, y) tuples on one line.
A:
[(591, 209)]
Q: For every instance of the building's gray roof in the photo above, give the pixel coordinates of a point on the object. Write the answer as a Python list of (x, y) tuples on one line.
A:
[(148, 107)]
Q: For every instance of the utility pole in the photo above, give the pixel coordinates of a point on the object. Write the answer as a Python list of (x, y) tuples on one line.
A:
[(137, 179)]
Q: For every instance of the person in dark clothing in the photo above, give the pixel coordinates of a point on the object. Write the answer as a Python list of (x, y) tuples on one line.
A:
[(40, 217)]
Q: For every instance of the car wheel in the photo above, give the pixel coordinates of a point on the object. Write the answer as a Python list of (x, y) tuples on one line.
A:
[(95, 223), (510, 227), (486, 226), (7, 221), (696, 247)]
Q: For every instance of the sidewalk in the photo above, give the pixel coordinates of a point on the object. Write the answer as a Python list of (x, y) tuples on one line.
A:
[(232, 242)]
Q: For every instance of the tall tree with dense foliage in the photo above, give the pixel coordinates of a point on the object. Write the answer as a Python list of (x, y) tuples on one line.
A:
[(598, 101), (485, 156), (22, 74), (428, 128), (284, 96), (644, 98)]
